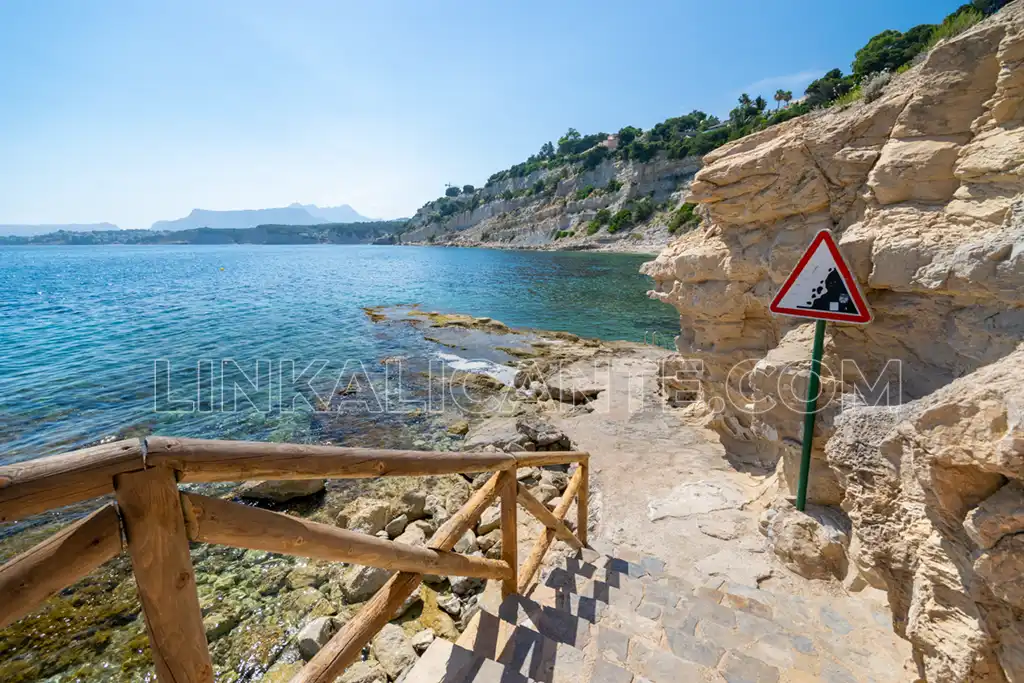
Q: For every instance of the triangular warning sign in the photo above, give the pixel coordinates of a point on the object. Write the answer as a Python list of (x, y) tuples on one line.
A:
[(821, 286)]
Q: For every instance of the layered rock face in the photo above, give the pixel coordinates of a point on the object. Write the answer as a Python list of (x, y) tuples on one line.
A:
[(533, 221), (924, 189)]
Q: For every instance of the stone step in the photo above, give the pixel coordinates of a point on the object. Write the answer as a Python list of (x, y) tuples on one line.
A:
[(601, 619), (446, 662)]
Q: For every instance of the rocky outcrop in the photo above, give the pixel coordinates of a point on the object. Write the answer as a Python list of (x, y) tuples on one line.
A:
[(934, 491), (924, 189), (500, 215)]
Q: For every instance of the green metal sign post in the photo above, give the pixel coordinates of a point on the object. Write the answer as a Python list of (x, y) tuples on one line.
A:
[(820, 288), (810, 408)]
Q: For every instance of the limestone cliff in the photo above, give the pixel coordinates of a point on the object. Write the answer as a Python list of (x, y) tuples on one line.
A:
[(924, 188), (547, 208)]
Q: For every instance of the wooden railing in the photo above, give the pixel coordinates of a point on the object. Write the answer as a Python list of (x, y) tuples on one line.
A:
[(157, 521)]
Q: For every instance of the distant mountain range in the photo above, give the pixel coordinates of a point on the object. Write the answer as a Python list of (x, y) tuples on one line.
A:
[(294, 214), (31, 230)]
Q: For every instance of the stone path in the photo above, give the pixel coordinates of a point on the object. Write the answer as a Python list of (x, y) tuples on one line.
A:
[(622, 619)]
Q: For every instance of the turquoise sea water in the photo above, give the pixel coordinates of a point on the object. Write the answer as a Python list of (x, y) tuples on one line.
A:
[(113, 341)]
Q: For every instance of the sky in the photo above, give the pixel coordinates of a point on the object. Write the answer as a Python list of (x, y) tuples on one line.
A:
[(132, 112)]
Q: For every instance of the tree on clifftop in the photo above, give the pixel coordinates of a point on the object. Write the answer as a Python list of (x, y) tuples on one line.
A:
[(451, 191), (889, 50)]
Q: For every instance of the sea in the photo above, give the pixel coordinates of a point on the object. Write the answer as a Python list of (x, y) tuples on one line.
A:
[(231, 342)]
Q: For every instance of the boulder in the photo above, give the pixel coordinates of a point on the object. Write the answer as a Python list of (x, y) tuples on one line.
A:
[(391, 647), (314, 635), (396, 526), (541, 433), (494, 552), (280, 491), (364, 671), (480, 479), (359, 583), (450, 604), (469, 610), (422, 640), (499, 432), (458, 428), (487, 541), (545, 493), (811, 543), (369, 516), (437, 510), (427, 526), (407, 604), (413, 535), (465, 585), (568, 391), (555, 478), (489, 520), (412, 504), (528, 475), (467, 544)]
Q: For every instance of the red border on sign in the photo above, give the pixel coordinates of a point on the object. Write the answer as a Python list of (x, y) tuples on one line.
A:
[(844, 271)]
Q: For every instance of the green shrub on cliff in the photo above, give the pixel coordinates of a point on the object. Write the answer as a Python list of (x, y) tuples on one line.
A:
[(642, 209), (955, 24), (683, 218), (622, 220), (584, 192)]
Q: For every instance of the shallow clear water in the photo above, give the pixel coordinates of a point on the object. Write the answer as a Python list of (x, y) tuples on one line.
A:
[(88, 334)]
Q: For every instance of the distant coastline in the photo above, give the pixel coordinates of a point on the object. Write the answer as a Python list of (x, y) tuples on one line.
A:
[(364, 232)]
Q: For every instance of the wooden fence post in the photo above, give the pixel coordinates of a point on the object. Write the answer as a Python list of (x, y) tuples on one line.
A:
[(583, 503), (509, 538), (150, 507)]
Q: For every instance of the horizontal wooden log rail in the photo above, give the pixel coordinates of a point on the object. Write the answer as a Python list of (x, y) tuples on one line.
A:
[(157, 521), (206, 460), (35, 486)]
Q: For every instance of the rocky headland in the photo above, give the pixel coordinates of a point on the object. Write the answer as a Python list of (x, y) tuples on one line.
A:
[(924, 189), (508, 214)]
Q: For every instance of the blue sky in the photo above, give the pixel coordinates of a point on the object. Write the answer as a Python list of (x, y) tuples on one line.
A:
[(131, 112)]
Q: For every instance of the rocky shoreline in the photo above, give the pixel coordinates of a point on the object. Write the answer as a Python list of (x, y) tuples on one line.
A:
[(650, 245), (265, 613)]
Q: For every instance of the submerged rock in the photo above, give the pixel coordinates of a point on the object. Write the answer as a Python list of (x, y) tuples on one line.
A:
[(280, 491)]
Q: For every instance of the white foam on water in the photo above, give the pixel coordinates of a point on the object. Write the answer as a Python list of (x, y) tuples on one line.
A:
[(503, 373)]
